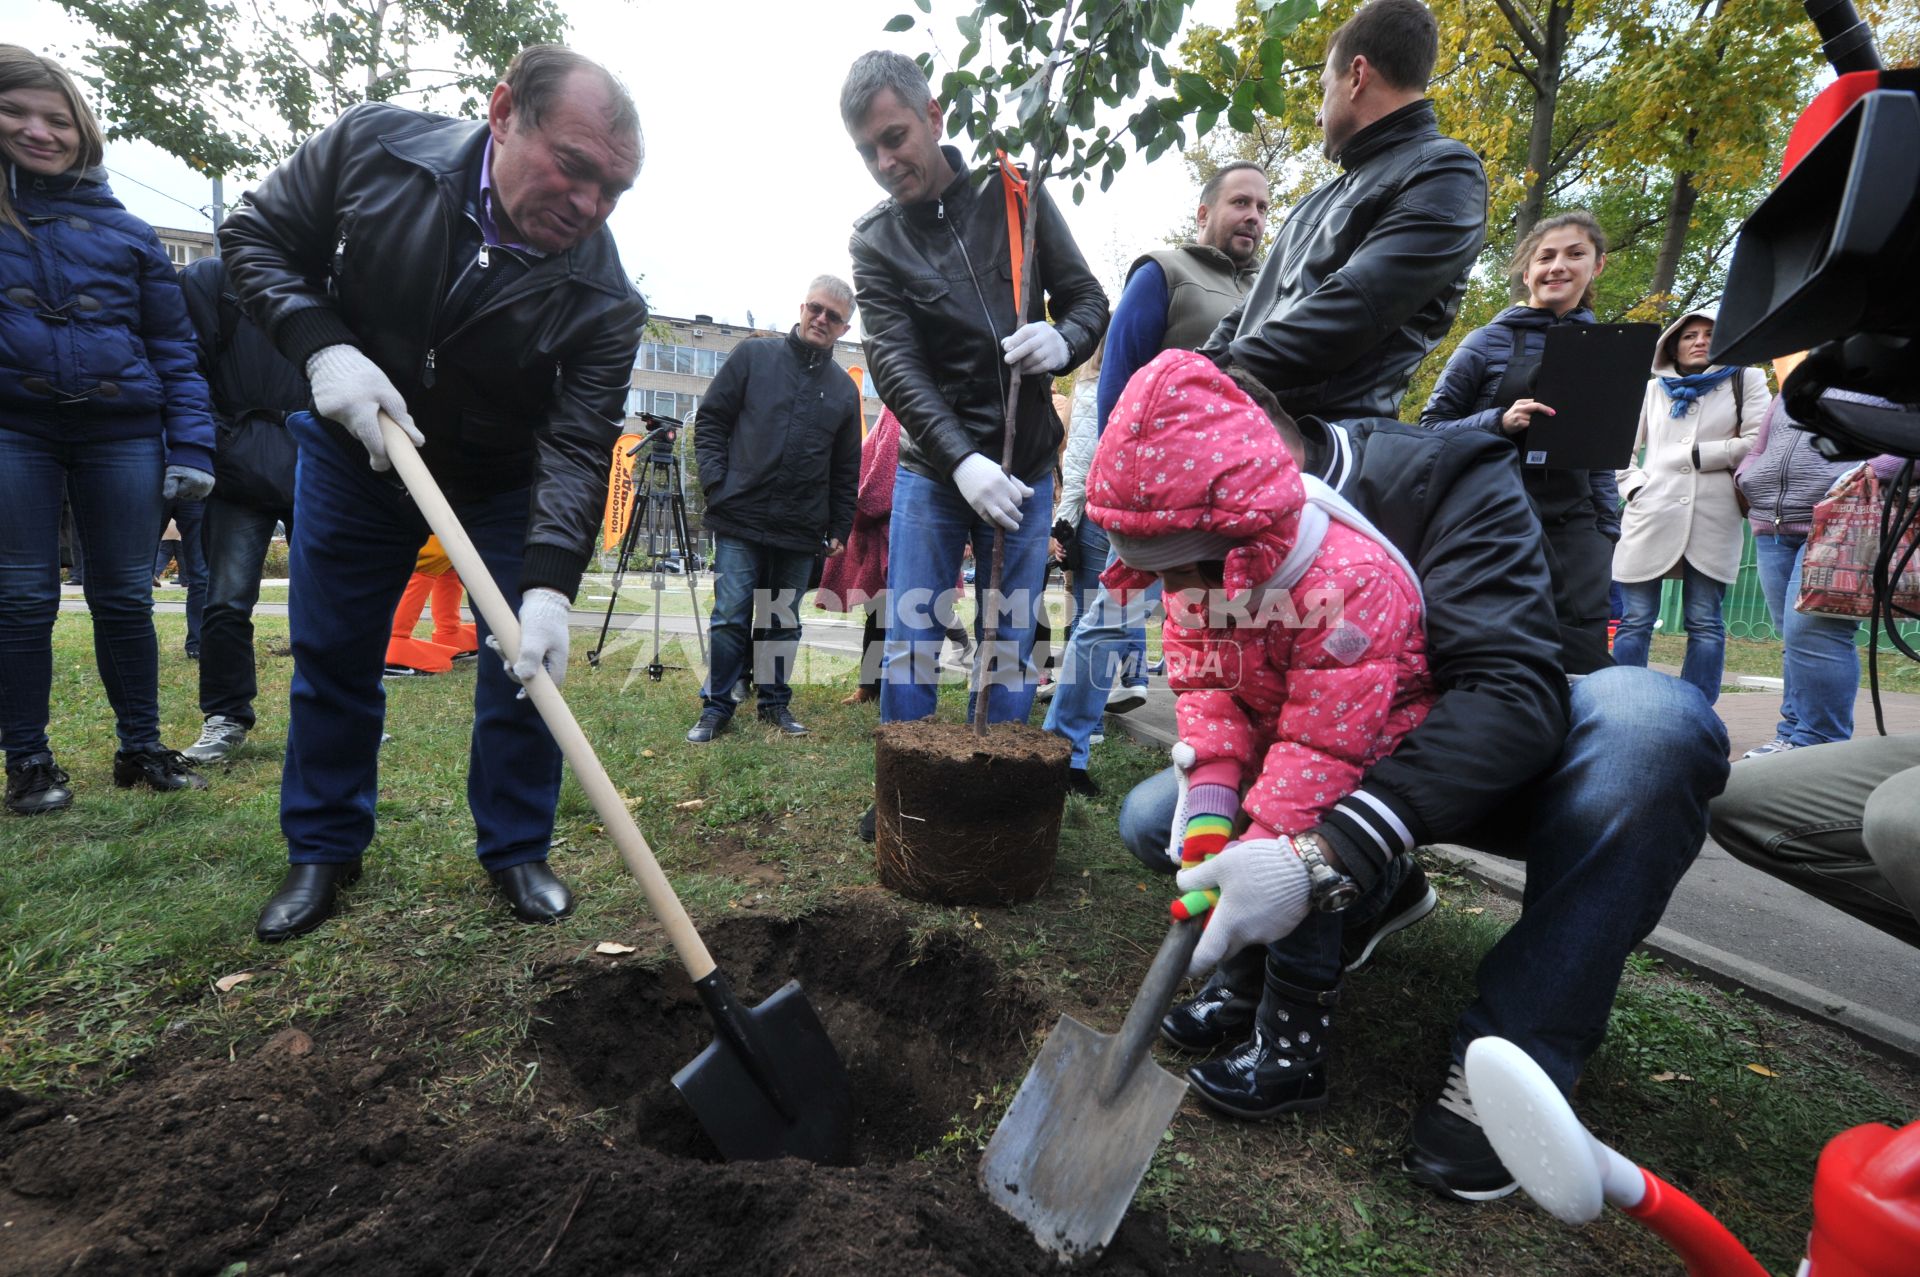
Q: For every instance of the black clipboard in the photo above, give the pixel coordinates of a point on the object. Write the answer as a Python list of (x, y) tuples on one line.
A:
[(1594, 377)]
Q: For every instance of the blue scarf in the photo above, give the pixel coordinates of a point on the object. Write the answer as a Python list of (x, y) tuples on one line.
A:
[(1686, 390)]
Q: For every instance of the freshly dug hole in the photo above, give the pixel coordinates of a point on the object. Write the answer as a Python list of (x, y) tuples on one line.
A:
[(965, 819), (923, 1030)]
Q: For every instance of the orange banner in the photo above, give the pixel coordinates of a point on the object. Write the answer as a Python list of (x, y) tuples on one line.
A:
[(620, 490)]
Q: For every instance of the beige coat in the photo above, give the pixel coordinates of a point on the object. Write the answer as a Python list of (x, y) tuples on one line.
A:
[(1674, 508)]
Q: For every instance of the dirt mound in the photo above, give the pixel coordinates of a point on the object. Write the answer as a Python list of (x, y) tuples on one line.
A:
[(312, 1153)]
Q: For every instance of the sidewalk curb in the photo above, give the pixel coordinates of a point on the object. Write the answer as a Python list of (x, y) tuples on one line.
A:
[(1898, 1040)]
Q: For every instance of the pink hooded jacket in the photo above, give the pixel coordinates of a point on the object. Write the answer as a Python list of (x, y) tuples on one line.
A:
[(1303, 686)]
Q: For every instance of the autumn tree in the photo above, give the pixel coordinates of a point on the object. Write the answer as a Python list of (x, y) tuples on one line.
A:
[(232, 86)]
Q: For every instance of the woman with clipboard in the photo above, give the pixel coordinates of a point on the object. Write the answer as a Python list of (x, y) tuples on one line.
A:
[(1488, 385)]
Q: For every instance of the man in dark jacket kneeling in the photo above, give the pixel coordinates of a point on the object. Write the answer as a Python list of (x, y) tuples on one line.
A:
[(457, 276), (778, 440)]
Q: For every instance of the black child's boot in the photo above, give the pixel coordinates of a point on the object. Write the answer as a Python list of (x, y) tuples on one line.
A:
[(1222, 1012), (1283, 1067)]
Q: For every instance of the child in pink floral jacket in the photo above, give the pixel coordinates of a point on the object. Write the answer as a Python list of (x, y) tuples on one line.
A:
[(1293, 635)]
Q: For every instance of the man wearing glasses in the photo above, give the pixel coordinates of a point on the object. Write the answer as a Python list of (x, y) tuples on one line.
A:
[(778, 442)]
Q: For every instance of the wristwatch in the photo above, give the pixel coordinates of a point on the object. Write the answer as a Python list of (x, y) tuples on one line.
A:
[(1329, 890)]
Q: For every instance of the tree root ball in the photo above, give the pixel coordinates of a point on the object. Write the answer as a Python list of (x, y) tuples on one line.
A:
[(966, 819)]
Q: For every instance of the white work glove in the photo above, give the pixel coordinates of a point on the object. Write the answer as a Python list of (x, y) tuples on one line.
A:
[(1037, 348), (543, 637), (1264, 894), (185, 483), (1183, 760), (994, 494), (350, 388)]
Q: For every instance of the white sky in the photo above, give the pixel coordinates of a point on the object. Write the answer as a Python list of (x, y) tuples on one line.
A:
[(750, 185)]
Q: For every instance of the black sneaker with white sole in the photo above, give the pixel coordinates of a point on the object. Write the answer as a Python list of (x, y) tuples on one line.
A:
[(1412, 900), (1450, 1154), (1126, 697)]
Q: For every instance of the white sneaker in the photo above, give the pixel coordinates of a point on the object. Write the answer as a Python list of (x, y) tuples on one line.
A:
[(1774, 746), (1046, 691), (1124, 698), (219, 737)]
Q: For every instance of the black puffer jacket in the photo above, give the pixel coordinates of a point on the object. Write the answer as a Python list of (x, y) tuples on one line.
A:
[(935, 289), (1452, 503), (360, 237), (254, 388), (1366, 274), (778, 439), (1491, 369)]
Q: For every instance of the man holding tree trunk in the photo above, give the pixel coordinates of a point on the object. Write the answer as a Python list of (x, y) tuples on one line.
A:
[(932, 272)]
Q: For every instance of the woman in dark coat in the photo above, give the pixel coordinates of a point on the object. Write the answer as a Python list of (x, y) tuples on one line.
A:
[(1488, 385), (100, 402)]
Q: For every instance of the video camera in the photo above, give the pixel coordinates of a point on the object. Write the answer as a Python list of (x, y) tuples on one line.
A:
[(1829, 263)]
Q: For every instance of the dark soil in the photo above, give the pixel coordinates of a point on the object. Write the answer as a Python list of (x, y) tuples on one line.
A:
[(966, 819), (314, 1152)]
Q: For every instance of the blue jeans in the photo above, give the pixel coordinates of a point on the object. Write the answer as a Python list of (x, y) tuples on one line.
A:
[(115, 490), (1706, 658), (1109, 641), (190, 517), (1092, 542), (1606, 833), (746, 574), (237, 537), (931, 526), (1821, 663), (353, 547)]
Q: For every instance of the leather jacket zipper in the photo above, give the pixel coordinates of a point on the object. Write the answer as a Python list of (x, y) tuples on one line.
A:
[(940, 212), (439, 293)]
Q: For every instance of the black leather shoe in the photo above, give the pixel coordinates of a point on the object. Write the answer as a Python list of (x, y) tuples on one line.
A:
[(1222, 1012), (780, 717), (304, 899), (1451, 1154), (1283, 1067), (866, 826), (1078, 782), (166, 770), (534, 892), (36, 785)]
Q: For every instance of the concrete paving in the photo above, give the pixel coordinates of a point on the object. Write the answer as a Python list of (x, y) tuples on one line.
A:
[(1732, 924)]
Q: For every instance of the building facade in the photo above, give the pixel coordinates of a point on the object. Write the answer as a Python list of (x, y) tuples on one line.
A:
[(185, 246), (671, 375)]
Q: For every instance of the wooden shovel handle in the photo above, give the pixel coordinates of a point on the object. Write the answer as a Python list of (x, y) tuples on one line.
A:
[(504, 621)]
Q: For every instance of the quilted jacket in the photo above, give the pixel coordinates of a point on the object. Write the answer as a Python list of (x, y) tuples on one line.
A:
[(1288, 693), (95, 343)]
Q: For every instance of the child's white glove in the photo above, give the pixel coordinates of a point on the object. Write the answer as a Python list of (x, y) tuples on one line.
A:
[(1183, 760)]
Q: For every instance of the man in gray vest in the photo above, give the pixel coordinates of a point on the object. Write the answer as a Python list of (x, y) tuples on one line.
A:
[(1173, 299)]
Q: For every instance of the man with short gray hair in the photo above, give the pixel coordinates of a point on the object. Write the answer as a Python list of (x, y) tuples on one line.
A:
[(778, 441), (458, 276)]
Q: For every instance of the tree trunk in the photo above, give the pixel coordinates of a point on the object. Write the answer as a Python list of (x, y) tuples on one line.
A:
[(1549, 47), (1666, 267)]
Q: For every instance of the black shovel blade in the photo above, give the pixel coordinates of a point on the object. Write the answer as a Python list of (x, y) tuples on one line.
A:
[(771, 1083)]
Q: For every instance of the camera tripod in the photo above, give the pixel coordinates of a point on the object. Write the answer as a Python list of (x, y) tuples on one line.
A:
[(659, 513)]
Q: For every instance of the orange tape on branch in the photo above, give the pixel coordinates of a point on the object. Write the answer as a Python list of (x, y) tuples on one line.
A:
[(1015, 186)]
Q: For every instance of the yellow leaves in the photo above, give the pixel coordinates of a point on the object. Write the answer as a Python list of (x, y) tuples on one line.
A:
[(1762, 1070), (612, 948), (228, 983)]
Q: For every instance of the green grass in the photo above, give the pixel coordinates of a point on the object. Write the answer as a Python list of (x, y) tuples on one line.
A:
[(1751, 656), (118, 918)]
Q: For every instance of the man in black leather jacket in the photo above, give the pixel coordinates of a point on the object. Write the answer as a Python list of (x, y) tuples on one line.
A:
[(1368, 270), (456, 275), (934, 281)]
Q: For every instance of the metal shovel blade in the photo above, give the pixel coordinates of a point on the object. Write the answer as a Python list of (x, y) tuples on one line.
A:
[(770, 1084), (1068, 1156)]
